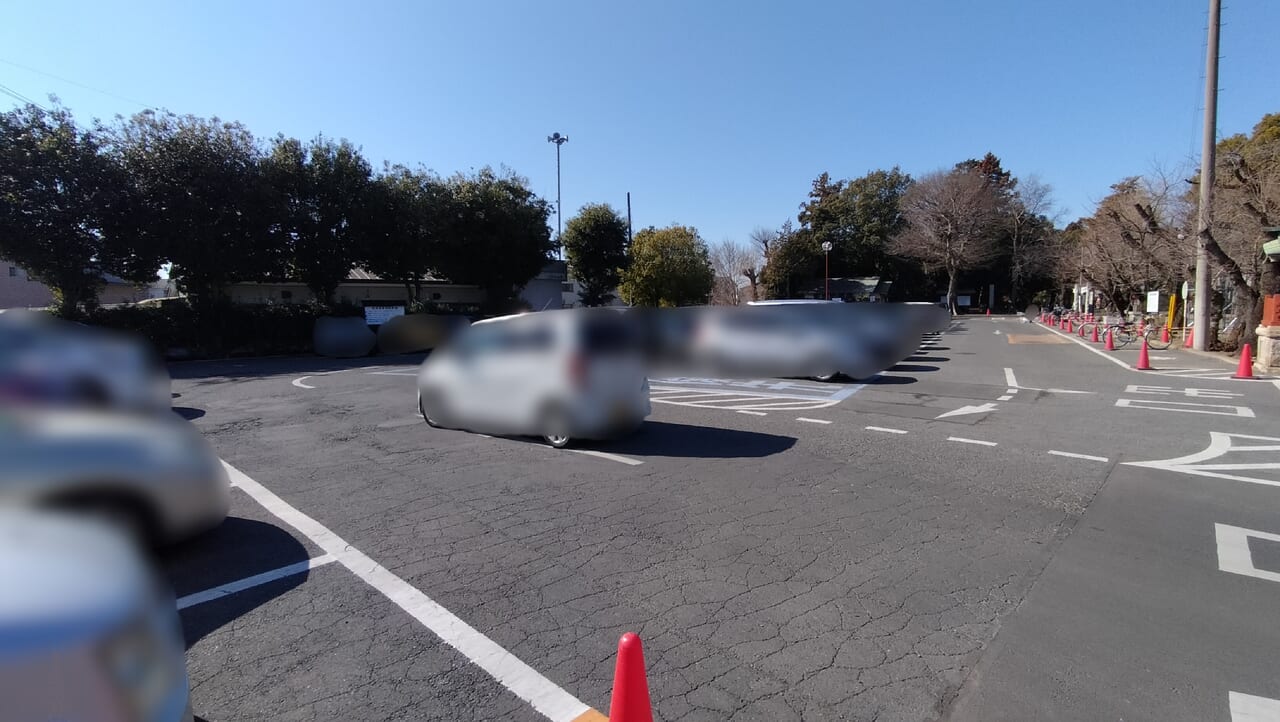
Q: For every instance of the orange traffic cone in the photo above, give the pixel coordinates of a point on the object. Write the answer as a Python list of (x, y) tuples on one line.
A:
[(1094, 337), (630, 702), (1245, 371), (1191, 337), (1111, 343), (1164, 334), (1144, 362)]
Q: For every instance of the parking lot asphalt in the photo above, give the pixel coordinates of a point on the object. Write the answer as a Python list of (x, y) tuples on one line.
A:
[(965, 536)]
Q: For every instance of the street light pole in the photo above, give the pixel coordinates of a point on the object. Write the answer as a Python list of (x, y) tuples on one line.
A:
[(826, 275), (559, 140)]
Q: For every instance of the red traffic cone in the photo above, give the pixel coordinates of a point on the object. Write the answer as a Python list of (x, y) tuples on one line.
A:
[(1245, 371), (1111, 343), (988, 312), (1164, 334), (1142, 327), (630, 702), (1144, 362), (1191, 337), (1080, 332), (1094, 338), (1069, 330)]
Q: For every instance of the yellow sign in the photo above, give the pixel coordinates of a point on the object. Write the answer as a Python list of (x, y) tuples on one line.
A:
[(1173, 304)]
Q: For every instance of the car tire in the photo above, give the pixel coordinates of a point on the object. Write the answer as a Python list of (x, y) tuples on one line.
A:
[(825, 378), (429, 407), (555, 429)]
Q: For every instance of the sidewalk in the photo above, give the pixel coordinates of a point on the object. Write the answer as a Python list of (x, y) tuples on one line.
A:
[(1175, 360)]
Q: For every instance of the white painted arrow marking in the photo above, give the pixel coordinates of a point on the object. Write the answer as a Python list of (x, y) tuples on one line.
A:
[(1221, 444), (982, 409)]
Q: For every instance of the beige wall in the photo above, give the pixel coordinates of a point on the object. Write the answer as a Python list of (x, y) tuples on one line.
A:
[(18, 291), (354, 292)]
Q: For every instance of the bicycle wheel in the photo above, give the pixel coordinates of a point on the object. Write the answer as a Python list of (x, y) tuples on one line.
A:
[(1124, 336), (1153, 340)]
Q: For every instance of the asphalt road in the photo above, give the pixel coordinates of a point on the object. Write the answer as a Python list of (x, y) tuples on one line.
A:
[(785, 549)]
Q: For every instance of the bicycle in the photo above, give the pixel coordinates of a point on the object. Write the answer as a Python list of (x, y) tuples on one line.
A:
[(1122, 334), (1154, 338)]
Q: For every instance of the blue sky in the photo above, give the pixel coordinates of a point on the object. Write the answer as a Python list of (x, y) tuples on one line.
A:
[(712, 114)]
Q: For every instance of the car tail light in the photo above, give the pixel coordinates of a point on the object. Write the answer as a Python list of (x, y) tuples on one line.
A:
[(578, 370)]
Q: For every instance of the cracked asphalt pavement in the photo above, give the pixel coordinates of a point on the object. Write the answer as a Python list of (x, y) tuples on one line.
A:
[(873, 568)]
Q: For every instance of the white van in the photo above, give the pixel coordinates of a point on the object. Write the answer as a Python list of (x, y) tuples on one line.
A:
[(562, 375)]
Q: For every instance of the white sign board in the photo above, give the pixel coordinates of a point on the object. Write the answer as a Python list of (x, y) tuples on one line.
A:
[(962, 301), (378, 315), (1153, 301)]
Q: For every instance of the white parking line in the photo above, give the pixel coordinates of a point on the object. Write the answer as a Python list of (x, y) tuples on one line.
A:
[(963, 440), (1248, 708), (812, 421), (298, 382), (524, 681), (1071, 455), (885, 429), (606, 455), (752, 413), (256, 580), (1009, 379), (1006, 397)]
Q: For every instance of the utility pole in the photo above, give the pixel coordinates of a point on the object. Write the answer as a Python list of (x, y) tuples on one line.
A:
[(1207, 160), (628, 219), (559, 140)]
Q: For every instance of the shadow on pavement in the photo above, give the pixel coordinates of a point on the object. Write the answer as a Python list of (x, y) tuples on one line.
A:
[(663, 438), (883, 380), (248, 368), (927, 359), (188, 413), (912, 368), (237, 549)]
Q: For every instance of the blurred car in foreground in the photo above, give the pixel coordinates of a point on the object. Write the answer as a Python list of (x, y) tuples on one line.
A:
[(86, 630), (561, 375), (155, 475), (48, 361)]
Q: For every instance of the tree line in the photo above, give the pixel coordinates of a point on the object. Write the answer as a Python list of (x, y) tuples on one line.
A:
[(1142, 235), (219, 206)]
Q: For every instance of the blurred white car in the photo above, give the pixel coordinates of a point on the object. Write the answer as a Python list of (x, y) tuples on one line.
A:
[(562, 375), (86, 630), (155, 474), (48, 361)]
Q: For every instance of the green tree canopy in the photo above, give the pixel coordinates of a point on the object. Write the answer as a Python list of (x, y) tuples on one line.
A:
[(62, 200), (595, 242), (200, 200), (322, 190), (496, 234), (668, 267), (858, 217), (406, 211)]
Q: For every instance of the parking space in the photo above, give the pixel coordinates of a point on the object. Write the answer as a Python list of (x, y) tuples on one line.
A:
[(847, 549)]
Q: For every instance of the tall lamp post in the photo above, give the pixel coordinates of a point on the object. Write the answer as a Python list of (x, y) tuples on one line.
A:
[(559, 140), (826, 274)]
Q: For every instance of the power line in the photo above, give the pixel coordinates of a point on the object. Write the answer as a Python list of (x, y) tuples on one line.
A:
[(76, 83), (19, 97)]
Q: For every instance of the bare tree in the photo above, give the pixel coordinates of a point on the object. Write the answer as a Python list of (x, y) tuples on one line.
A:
[(732, 264), (952, 220), (1129, 245), (1030, 227)]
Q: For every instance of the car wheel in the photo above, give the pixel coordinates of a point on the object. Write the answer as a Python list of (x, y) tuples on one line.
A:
[(827, 377), (555, 429), (429, 407)]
